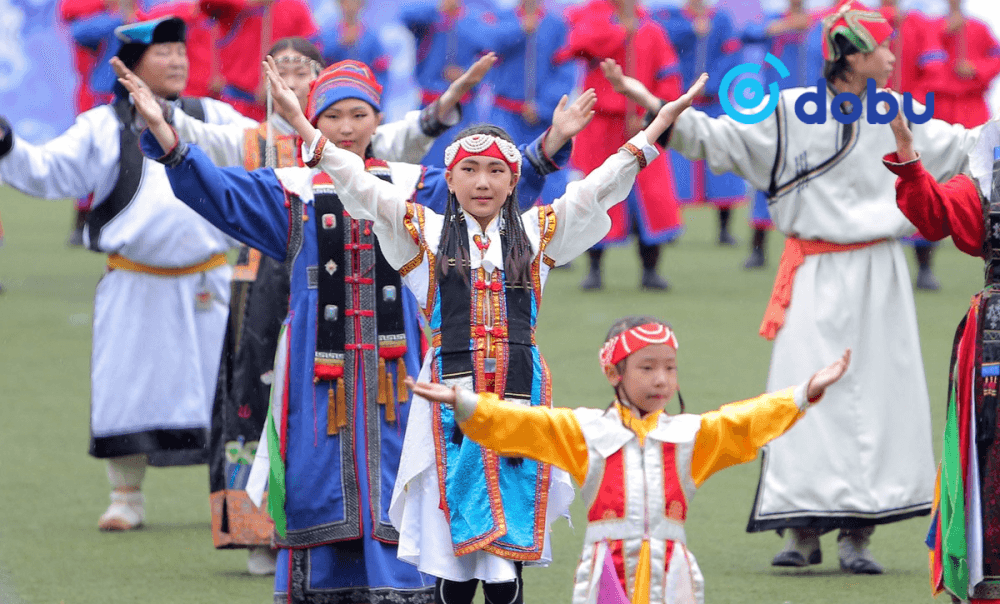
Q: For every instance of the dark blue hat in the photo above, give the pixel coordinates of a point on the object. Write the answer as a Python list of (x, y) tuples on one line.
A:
[(137, 37)]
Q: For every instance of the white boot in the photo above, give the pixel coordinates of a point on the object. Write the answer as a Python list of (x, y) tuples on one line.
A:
[(262, 561), (854, 554), (126, 512)]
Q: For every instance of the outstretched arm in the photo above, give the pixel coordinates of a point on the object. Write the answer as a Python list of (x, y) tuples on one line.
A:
[(735, 432), (549, 435), (581, 212)]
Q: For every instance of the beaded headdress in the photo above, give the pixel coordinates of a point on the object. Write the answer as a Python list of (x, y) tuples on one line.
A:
[(487, 145)]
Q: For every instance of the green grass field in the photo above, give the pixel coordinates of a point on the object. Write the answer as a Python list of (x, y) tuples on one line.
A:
[(51, 492)]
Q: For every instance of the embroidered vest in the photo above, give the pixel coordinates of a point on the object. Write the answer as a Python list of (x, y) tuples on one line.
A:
[(636, 492), (359, 329), (131, 165), (507, 518)]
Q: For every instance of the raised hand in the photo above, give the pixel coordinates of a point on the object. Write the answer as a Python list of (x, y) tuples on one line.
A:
[(669, 112), (472, 76), (568, 121), (824, 378), (904, 138), (435, 393), (629, 86), (286, 103), (147, 105)]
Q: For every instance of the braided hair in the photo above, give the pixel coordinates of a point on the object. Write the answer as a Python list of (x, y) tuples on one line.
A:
[(621, 326), (452, 252)]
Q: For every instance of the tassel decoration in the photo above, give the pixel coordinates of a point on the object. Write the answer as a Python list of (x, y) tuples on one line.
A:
[(331, 412), (401, 393), (341, 405)]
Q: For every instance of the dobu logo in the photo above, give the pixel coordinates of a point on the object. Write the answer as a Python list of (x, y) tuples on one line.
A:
[(749, 93)]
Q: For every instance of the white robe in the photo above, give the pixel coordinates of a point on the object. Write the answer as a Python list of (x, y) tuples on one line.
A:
[(155, 351), (582, 221), (865, 454)]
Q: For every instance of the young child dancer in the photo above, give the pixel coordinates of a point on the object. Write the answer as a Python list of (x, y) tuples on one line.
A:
[(637, 465), (465, 515), (841, 284), (339, 409)]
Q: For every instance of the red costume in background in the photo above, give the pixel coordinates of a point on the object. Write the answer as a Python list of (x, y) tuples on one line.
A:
[(940, 210), (202, 36), (917, 48), (596, 34), (84, 57), (958, 99), (244, 40)]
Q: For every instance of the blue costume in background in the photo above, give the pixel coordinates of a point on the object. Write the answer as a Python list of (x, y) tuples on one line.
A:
[(367, 48), (339, 544), (444, 41), (714, 53), (527, 73)]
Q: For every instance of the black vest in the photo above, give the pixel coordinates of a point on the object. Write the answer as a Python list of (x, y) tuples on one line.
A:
[(131, 166)]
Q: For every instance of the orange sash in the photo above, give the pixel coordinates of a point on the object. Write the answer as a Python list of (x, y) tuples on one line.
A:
[(792, 258)]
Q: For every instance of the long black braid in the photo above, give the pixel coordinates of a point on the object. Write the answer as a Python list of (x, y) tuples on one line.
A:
[(453, 248), (621, 326)]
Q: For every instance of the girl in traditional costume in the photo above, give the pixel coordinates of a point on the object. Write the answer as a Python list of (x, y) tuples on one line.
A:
[(339, 409), (638, 466), (478, 270), (259, 300)]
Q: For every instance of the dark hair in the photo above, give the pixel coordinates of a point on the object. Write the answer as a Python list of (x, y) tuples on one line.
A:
[(451, 251), (300, 45), (838, 70), (621, 326)]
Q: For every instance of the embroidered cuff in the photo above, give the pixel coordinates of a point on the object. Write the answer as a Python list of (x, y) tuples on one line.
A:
[(543, 164), (641, 145), (434, 127), (465, 405), (6, 137), (313, 154), (905, 169), (176, 154)]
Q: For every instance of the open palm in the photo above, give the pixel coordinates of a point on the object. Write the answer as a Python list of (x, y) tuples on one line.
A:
[(569, 120)]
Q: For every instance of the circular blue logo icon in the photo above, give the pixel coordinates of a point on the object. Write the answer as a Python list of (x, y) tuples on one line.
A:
[(749, 92)]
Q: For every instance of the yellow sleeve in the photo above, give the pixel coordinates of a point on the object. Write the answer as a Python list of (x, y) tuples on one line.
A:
[(547, 435), (733, 433)]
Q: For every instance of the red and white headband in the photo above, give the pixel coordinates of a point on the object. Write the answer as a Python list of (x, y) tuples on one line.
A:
[(632, 340), (485, 145)]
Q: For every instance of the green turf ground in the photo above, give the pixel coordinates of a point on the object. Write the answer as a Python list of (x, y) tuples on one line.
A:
[(51, 492)]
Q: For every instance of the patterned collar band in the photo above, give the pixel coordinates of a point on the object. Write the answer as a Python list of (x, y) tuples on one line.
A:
[(633, 340), (484, 145)]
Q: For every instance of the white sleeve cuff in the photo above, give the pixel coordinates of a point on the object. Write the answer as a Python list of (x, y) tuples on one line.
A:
[(799, 396), (309, 150), (650, 151), (465, 404)]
